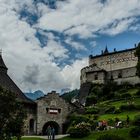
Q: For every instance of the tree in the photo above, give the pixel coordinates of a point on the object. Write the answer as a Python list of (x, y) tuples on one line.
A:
[(137, 53), (12, 115)]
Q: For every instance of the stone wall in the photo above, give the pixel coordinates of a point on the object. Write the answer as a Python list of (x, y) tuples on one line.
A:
[(116, 60), (52, 108)]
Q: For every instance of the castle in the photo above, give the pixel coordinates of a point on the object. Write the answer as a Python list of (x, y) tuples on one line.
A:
[(119, 66)]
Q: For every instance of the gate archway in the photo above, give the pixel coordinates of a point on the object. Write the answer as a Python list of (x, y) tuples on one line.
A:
[(53, 124)]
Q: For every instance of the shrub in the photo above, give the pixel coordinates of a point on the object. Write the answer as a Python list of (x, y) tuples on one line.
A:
[(138, 93), (126, 95), (128, 107), (117, 111), (137, 120), (93, 124), (75, 119), (92, 110), (110, 109), (91, 100), (110, 137), (111, 122), (135, 132), (80, 130)]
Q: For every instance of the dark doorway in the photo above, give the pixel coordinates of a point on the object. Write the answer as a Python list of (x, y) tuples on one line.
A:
[(52, 124), (31, 124)]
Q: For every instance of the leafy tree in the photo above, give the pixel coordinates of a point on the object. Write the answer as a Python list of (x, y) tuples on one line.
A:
[(91, 100), (137, 53), (11, 115)]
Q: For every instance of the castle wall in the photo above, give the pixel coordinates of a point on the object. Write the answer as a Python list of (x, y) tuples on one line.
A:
[(96, 77), (114, 61), (121, 66), (31, 115)]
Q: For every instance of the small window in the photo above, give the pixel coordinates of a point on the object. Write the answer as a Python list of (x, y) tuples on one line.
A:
[(96, 77), (120, 75)]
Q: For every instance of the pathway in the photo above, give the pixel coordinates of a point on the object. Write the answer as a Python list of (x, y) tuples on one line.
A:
[(46, 137)]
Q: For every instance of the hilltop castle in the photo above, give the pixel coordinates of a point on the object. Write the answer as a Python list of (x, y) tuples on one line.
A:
[(119, 66)]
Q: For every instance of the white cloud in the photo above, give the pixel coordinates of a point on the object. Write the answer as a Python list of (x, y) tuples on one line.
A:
[(75, 45), (33, 67), (87, 17)]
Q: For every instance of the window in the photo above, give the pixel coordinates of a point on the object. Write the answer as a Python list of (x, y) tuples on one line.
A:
[(120, 75), (96, 77)]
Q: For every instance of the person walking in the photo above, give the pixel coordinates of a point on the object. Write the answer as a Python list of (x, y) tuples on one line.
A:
[(53, 133), (49, 132)]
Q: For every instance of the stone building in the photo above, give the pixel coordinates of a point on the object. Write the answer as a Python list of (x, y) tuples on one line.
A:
[(119, 66), (52, 110), (48, 110)]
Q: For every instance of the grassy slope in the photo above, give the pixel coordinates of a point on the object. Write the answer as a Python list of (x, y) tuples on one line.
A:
[(124, 132)]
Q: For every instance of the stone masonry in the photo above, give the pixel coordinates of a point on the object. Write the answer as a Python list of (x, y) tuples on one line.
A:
[(52, 110)]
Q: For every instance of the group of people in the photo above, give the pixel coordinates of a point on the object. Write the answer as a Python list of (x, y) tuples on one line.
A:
[(51, 132), (103, 125)]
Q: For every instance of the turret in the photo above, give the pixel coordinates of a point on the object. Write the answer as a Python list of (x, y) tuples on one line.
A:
[(3, 67)]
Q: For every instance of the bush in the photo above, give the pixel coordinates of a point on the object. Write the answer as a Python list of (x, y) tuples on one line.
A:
[(93, 124), (137, 120), (127, 107), (110, 109), (135, 132), (75, 119), (138, 93), (126, 95), (91, 100), (92, 110), (111, 122), (110, 137), (117, 111), (80, 130)]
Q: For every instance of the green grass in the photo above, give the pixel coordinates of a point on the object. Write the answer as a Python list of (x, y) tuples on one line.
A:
[(124, 132), (121, 116)]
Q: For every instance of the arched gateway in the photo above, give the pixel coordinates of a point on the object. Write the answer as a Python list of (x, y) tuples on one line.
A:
[(52, 110), (53, 124)]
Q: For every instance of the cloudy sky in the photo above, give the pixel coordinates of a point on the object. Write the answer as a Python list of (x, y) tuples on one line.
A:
[(45, 43)]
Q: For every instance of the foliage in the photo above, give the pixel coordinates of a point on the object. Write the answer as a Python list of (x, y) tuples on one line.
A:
[(91, 100), (80, 130), (117, 111), (110, 109), (136, 120), (128, 107), (93, 123), (11, 115), (138, 93), (69, 95), (126, 95), (135, 132), (110, 137), (75, 119), (92, 110)]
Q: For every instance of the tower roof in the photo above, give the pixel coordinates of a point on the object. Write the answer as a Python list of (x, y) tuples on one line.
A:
[(7, 83), (106, 50), (3, 67)]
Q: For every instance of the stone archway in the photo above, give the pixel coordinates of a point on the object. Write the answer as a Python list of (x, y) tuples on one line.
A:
[(52, 124)]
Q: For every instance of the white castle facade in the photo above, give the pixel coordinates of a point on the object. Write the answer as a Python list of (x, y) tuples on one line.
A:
[(119, 66)]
